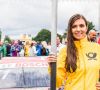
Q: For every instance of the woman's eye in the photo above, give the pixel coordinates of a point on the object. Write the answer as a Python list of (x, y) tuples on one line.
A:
[(81, 25), (74, 26)]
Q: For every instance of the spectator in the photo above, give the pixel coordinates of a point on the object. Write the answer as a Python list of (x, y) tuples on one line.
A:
[(1, 50), (59, 44), (38, 48), (44, 50), (15, 49), (8, 48), (32, 49), (49, 46), (26, 48), (98, 39), (21, 53), (92, 36)]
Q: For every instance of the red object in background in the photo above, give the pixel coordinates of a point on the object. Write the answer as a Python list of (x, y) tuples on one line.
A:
[(1, 43), (15, 62), (98, 41)]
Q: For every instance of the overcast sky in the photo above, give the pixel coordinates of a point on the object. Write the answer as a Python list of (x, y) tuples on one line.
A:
[(30, 16)]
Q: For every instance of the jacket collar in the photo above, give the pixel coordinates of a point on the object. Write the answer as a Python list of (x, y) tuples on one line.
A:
[(81, 43)]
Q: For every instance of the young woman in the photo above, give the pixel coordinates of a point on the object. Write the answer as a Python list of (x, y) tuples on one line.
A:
[(78, 64)]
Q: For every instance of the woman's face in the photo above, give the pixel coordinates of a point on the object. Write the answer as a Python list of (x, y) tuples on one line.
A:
[(79, 29)]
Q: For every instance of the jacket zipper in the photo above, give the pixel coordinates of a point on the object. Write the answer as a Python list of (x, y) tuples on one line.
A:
[(84, 67)]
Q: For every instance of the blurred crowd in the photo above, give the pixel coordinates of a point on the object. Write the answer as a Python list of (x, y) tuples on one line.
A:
[(19, 48)]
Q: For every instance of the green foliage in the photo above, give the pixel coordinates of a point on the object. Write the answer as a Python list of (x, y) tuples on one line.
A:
[(64, 35), (7, 38), (43, 35), (90, 26), (59, 37), (0, 35)]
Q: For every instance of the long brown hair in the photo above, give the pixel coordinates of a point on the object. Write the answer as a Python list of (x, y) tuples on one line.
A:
[(72, 53)]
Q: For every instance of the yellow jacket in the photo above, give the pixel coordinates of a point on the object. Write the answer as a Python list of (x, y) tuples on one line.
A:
[(26, 49), (88, 66)]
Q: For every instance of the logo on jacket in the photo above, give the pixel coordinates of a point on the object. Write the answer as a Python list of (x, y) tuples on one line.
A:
[(91, 56)]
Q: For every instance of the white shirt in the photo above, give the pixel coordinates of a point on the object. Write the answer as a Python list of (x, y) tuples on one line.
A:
[(32, 51), (59, 47)]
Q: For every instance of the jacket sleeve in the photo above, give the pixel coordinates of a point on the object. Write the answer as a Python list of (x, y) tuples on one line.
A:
[(61, 71)]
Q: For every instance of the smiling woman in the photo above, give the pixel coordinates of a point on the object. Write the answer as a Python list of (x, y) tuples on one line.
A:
[(79, 29), (79, 63)]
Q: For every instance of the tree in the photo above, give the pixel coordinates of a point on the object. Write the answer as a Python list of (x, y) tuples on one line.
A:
[(43, 35), (90, 26), (64, 35), (0, 35), (7, 38), (59, 37)]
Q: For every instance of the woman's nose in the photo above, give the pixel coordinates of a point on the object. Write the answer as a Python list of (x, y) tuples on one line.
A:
[(78, 28)]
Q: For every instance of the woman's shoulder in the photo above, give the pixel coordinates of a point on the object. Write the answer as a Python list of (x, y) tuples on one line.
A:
[(63, 49), (63, 52), (94, 45)]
